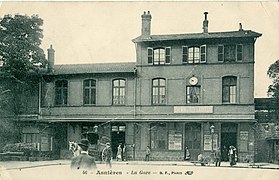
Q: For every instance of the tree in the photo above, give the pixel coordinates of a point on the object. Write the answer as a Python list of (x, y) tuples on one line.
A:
[(21, 59), (273, 89)]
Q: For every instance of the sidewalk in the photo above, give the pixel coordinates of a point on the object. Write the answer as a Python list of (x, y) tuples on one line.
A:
[(27, 164)]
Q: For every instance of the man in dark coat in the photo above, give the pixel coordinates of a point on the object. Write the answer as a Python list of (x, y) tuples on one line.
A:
[(83, 161), (107, 154)]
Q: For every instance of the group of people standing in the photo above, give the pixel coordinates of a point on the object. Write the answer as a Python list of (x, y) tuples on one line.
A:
[(121, 154), (218, 156)]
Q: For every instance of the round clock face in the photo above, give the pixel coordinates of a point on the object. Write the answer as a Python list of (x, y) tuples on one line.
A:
[(193, 80)]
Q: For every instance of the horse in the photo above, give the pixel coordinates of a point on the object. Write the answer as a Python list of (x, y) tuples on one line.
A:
[(74, 148)]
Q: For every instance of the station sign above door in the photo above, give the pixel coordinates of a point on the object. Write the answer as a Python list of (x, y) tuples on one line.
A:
[(193, 109)]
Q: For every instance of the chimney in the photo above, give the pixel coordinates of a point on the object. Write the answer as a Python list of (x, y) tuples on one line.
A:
[(146, 24), (240, 27), (50, 57), (205, 23)]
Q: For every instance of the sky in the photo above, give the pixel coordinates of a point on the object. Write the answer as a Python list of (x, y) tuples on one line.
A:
[(101, 32)]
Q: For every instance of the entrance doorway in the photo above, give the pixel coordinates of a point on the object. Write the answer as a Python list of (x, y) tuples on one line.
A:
[(228, 138), (117, 137), (193, 140)]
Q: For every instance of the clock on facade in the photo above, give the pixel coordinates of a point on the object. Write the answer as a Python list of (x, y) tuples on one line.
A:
[(193, 80)]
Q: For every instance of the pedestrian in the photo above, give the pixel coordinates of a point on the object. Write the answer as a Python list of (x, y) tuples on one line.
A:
[(218, 157), (187, 153), (83, 161), (107, 155), (232, 155), (201, 159), (124, 157), (147, 153), (119, 152), (225, 153)]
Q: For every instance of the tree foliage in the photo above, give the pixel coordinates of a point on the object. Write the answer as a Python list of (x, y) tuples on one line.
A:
[(273, 89), (21, 63), (273, 73), (21, 57), (20, 40)]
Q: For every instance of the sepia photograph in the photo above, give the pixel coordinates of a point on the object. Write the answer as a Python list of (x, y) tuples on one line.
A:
[(139, 90)]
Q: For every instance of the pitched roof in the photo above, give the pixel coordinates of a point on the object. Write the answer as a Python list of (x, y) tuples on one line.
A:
[(93, 68), (213, 35)]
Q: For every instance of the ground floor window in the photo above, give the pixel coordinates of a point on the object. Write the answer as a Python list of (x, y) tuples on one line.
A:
[(166, 136), (30, 137)]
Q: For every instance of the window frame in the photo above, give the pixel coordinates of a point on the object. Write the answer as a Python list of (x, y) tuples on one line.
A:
[(231, 90), (62, 95), (119, 88), (158, 89), (167, 56), (199, 94), (236, 53), (194, 57), (90, 88)]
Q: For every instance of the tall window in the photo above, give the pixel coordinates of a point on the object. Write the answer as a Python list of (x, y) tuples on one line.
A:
[(229, 89), (119, 88), (159, 56), (193, 94), (194, 54), (158, 91), (61, 92), (89, 97)]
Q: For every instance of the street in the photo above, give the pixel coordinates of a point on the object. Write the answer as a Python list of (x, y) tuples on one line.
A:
[(120, 171)]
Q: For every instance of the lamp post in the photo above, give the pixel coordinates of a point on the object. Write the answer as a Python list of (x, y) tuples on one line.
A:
[(212, 128)]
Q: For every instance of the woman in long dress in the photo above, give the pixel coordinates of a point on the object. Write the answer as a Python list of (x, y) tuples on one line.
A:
[(119, 152)]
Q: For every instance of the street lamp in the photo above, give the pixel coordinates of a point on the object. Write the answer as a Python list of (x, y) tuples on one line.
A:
[(212, 128)]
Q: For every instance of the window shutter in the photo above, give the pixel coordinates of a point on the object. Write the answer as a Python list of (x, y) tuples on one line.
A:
[(184, 54), (203, 53), (220, 53), (149, 55), (239, 51), (168, 55)]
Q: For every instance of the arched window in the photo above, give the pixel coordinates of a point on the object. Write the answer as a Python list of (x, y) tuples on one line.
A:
[(119, 91), (61, 92), (229, 84), (159, 91), (89, 90)]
